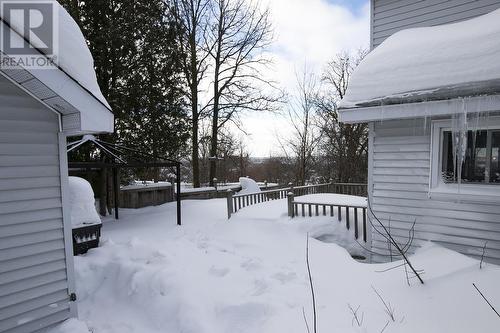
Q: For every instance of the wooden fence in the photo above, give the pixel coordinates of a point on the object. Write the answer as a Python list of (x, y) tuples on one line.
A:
[(236, 202), (301, 208)]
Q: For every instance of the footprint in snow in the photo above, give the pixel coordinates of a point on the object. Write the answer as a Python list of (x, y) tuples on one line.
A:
[(219, 272), (285, 277), (260, 287), (250, 265)]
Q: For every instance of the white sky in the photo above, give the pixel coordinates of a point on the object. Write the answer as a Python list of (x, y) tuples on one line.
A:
[(307, 31)]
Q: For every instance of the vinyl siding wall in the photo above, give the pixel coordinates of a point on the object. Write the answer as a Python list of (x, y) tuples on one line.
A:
[(399, 192), (390, 16), (33, 269)]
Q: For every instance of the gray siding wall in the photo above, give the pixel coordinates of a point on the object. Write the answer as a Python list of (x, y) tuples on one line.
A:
[(33, 270), (390, 16), (399, 191)]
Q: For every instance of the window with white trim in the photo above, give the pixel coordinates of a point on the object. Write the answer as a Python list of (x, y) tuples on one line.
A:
[(479, 167)]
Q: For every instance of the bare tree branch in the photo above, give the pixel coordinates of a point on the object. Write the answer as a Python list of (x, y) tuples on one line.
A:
[(486, 300), (313, 296)]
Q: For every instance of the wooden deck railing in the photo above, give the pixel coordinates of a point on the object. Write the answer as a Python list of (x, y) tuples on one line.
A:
[(358, 189), (235, 202), (304, 208)]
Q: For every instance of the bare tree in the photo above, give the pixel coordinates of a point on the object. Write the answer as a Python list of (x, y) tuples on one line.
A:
[(301, 113), (233, 157), (344, 146), (239, 31), (191, 16)]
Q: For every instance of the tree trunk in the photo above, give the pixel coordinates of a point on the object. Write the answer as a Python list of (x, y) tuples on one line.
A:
[(213, 139), (195, 142), (194, 108), (242, 170), (215, 115)]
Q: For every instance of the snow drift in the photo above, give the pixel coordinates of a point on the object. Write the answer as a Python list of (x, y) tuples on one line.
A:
[(81, 199), (420, 60)]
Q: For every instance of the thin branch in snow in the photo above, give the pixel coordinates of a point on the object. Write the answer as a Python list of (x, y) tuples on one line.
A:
[(386, 234), (383, 329), (355, 316), (305, 320), (388, 308), (391, 268), (311, 284), (389, 245), (406, 274), (373, 252), (482, 255), (486, 300)]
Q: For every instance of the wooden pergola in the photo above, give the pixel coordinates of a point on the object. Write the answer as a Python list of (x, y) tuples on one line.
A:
[(121, 157)]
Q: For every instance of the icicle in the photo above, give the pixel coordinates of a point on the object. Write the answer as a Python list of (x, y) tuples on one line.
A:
[(425, 125), (382, 106), (459, 141)]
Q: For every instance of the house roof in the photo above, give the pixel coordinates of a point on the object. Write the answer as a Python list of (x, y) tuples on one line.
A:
[(429, 64), (70, 85)]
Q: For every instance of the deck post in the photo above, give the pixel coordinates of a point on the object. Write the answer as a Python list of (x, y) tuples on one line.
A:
[(347, 223), (290, 204), (229, 203), (364, 225), (356, 231)]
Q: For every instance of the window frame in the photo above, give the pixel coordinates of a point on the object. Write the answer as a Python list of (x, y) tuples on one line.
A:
[(486, 192)]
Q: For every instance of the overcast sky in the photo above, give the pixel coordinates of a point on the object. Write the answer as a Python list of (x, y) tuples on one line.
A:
[(306, 31)]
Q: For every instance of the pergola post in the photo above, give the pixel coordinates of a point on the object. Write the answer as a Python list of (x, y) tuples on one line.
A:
[(116, 189), (178, 176)]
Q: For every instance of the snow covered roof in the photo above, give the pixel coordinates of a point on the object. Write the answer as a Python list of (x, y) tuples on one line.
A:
[(432, 63), (71, 86)]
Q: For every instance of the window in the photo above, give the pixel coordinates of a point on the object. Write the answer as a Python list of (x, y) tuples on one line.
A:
[(477, 165), (480, 158)]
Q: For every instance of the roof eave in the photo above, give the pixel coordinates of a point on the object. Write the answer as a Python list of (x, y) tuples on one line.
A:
[(81, 111), (483, 103)]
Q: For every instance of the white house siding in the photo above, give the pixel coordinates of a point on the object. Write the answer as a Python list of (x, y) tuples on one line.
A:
[(33, 270), (399, 192), (390, 16)]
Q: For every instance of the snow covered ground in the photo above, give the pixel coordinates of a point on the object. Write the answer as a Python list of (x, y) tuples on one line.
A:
[(249, 275)]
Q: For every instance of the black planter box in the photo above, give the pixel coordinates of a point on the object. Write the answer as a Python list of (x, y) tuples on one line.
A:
[(85, 238)]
